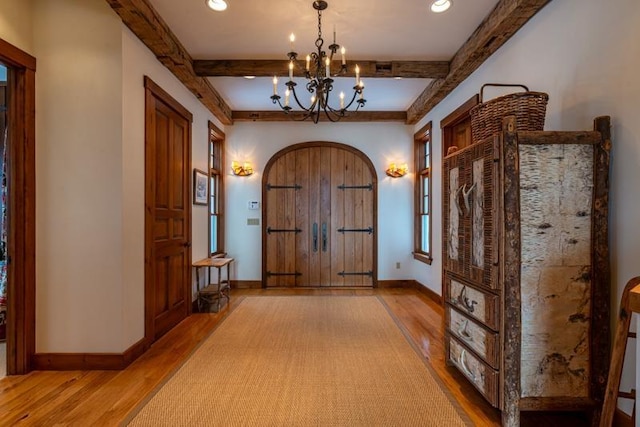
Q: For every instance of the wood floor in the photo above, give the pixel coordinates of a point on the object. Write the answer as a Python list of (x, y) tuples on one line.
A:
[(104, 398)]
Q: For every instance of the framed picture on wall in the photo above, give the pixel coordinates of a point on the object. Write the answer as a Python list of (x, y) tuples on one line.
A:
[(200, 187)]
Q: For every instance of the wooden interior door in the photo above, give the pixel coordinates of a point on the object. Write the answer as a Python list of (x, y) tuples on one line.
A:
[(319, 218), (168, 212)]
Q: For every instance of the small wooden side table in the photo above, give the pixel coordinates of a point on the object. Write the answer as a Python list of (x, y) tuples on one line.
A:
[(213, 292)]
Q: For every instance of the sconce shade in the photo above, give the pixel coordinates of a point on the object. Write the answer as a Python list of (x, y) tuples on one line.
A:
[(244, 169), (395, 171)]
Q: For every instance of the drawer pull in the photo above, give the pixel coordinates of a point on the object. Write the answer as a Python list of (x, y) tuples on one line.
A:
[(464, 333), (464, 301), (464, 367)]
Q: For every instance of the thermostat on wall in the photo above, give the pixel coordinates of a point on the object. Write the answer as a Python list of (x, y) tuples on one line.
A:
[(254, 206)]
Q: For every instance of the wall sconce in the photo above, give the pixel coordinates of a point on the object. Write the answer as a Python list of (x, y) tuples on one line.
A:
[(395, 171), (243, 169)]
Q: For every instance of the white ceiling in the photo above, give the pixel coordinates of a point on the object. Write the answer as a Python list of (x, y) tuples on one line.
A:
[(369, 29)]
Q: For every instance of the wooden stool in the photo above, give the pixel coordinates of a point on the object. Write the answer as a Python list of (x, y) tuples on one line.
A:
[(213, 292)]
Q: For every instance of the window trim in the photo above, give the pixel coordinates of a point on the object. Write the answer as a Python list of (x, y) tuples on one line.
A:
[(216, 136), (424, 135)]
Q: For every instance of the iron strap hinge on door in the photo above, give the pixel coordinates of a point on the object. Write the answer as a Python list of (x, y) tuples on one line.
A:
[(269, 273), (356, 273), (356, 187), (356, 230), (280, 187), (283, 230)]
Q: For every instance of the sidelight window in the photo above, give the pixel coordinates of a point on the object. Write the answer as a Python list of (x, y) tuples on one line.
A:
[(216, 190), (422, 221)]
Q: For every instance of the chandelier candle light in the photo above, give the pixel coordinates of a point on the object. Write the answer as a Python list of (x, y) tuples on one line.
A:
[(317, 72)]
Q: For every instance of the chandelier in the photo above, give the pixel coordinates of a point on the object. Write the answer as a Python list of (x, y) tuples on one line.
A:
[(319, 82)]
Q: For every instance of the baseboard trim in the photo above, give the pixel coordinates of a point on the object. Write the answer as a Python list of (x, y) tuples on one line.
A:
[(246, 284), (428, 292), (386, 284), (410, 284), (88, 361), (620, 419)]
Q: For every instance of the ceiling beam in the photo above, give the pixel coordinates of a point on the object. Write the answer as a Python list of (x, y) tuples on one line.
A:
[(279, 116), (150, 28), (277, 67), (503, 22)]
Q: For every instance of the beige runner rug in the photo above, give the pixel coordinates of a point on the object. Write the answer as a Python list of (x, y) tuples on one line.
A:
[(303, 361)]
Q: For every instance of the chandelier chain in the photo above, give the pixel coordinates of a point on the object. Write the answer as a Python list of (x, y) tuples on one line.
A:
[(319, 41)]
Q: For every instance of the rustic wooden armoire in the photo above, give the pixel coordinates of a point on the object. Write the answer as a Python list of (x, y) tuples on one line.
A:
[(526, 267)]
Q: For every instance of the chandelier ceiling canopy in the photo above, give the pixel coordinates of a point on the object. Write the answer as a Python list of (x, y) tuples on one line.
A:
[(317, 70)]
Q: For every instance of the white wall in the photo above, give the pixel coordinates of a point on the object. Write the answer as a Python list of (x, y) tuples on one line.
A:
[(16, 27), (78, 176), (382, 143), (585, 54)]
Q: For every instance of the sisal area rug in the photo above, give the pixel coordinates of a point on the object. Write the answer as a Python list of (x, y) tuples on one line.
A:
[(303, 361)]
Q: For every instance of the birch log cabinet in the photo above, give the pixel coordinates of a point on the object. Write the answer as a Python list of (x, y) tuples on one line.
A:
[(526, 268)]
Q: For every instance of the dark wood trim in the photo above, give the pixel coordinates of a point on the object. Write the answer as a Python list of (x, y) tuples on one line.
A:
[(246, 284), (143, 20), (21, 215), (163, 95), (16, 57), (461, 113), (512, 317), (503, 22), (301, 145), (411, 284), (428, 292), (272, 67), (88, 361), (620, 419), (397, 283), (423, 258), (601, 269), (280, 116)]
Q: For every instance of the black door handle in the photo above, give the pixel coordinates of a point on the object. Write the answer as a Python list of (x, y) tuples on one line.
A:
[(187, 244), (315, 237), (324, 237)]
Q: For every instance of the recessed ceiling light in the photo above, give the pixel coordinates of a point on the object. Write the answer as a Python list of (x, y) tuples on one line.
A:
[(217, 5), (439, 6), (249, 77), (398, 77)]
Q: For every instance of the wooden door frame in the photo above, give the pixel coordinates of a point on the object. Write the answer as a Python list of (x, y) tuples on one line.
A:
[(154, 91), (21, 214), (312, 144)]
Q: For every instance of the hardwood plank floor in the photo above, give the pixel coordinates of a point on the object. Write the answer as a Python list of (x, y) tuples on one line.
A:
[(104, 398)]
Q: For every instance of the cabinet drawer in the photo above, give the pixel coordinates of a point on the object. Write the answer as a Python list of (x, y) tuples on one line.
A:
[(481, 375), (473, 302), (484, 342)]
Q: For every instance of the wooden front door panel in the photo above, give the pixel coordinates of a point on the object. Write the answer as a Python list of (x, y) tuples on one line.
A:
[(314, 218), (168, 256)]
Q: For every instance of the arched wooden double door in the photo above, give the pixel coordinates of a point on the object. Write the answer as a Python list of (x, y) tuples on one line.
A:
[(319, 227)]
